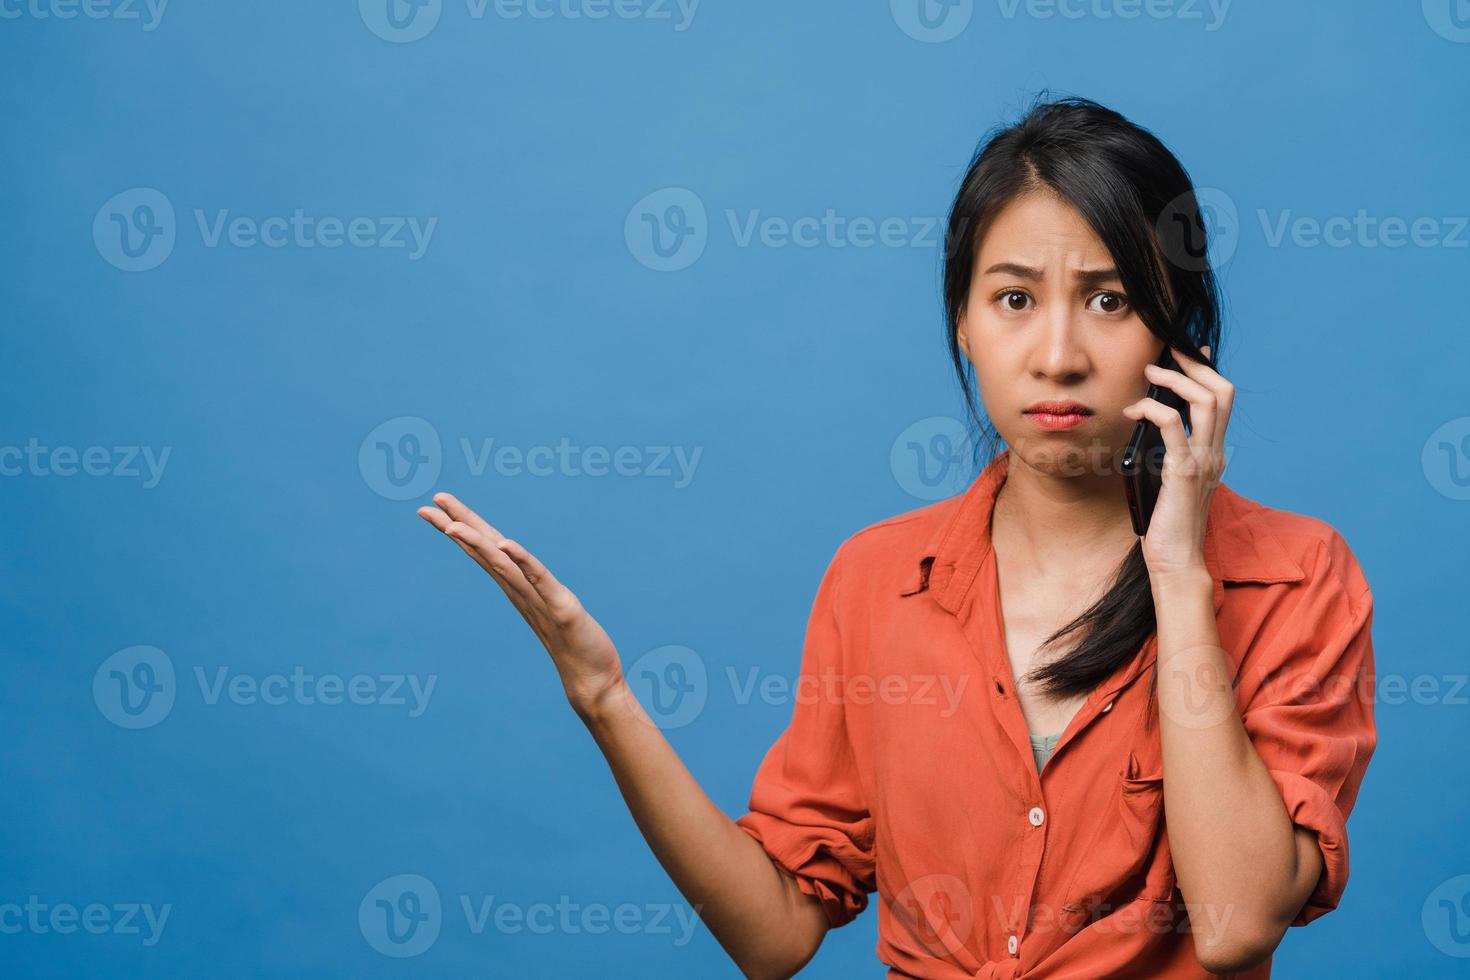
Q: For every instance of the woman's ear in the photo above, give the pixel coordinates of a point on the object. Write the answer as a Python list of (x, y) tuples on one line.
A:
[(960, 336)]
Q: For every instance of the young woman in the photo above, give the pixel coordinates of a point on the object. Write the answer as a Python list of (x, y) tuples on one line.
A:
[(1210, 675)]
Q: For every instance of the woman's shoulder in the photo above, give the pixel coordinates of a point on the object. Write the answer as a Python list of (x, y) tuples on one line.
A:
[(1252, 535), (887, 559), (911, 532)]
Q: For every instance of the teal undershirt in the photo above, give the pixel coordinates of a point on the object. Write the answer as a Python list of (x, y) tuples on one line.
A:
[(1042, 747)]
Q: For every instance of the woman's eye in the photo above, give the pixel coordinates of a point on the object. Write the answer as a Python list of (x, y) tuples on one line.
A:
[(1016, 300), (1113, 302), (1008, 297)]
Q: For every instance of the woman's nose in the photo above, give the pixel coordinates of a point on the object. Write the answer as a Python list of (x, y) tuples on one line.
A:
[(1059, 351)]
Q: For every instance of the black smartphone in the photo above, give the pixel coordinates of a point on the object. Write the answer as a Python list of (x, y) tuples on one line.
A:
[(1143, 459)]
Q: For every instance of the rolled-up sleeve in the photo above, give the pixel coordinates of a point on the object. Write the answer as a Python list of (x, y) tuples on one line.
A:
[(1311, 719), (806, 805)]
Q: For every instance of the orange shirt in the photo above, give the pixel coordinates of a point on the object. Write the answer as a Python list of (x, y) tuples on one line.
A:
[(907, 767)]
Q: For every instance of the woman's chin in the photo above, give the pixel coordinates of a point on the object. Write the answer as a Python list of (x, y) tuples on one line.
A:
[(1066, 454)]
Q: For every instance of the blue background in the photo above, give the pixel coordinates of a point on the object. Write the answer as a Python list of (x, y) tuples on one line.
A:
[(530, 319)]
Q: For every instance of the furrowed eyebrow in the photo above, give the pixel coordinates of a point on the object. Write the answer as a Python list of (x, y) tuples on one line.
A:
[(1086, 277)]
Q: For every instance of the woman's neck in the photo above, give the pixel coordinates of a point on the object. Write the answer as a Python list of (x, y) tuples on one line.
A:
[(1052, 522)]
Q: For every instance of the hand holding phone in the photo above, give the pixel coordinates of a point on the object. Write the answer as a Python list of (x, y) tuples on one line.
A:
[(1143, 459)]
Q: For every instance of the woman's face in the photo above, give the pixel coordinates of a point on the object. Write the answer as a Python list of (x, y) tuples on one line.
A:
[(1047, 321)]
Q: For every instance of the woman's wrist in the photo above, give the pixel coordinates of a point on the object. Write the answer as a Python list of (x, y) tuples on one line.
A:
[(1185, 579), (1184, 612), (606, 701)]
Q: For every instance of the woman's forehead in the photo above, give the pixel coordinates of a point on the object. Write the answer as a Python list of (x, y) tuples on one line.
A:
[(1041, 231)]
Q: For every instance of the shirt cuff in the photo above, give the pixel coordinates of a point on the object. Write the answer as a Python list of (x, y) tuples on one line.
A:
[(822, 863), (1309, 806)]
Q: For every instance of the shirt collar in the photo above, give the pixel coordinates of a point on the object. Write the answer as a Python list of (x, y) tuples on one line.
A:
[(1236, 549)]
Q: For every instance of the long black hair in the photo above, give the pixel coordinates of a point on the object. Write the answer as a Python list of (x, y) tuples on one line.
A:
[(1140, 201)]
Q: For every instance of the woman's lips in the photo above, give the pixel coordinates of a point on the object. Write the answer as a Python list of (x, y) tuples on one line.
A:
[(1055, 420)]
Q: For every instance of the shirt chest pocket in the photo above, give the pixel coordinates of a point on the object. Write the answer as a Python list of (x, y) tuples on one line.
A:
[(1128, 857)]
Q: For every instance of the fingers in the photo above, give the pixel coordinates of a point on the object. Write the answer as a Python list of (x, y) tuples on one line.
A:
[(435, 516), (1223, 390), (1202, 404), (1171, 425), (484, 547), (479, 542), (552, 592), (457, 510)]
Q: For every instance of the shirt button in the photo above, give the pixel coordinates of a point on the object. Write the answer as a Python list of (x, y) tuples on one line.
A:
[(1107, 707), (1036, 816), (1012, 944)]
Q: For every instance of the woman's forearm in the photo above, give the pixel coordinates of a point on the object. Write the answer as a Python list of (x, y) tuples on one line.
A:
[(769, 927), (1242, 866), (756, 911)]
